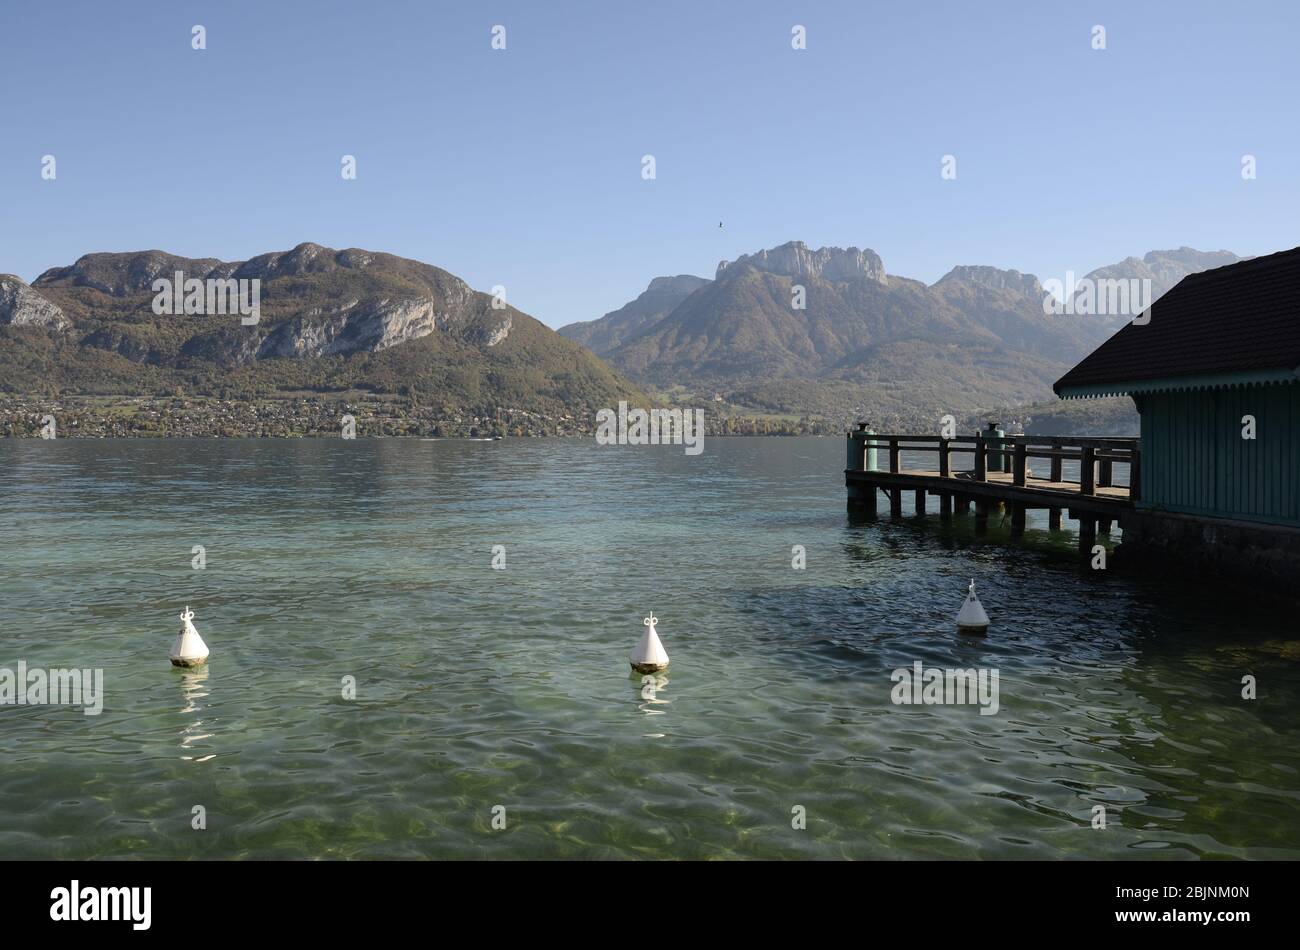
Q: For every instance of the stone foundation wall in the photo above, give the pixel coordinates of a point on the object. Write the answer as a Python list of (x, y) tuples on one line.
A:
[(1241, 549)]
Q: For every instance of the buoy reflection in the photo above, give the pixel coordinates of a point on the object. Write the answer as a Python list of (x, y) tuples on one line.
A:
[(650, 686), (194, 693)]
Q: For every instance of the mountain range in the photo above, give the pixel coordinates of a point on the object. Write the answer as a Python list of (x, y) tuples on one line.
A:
[(330, 322), (865, 343), (786, 333)]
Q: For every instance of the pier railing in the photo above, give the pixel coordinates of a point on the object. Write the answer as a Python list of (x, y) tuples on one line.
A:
[(1008, 454)]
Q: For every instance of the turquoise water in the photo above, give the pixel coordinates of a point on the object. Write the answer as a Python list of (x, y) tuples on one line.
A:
[(478, 688)]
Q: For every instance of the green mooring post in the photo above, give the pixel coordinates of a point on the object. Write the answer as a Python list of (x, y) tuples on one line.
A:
[(998, 460), (862, 451)]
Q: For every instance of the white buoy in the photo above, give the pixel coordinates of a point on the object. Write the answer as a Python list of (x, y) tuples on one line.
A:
[(649, 655), (972, 618), (190, 650)]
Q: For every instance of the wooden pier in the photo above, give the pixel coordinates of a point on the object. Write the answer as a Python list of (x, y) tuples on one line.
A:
[(999, 477)]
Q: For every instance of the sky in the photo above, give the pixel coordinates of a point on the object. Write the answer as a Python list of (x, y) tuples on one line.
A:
[(523, 167)]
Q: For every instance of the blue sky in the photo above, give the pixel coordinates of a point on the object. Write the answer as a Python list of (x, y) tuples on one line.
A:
[(522, 167)]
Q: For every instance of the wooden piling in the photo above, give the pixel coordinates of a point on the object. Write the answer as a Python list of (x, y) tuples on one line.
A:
[(1054, 519), (1087, 534), (1088, 471), (920, 501)]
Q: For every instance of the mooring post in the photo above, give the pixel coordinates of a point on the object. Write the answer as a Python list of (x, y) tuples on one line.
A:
[(1017, 519), (1087, 534), (895, 502), (981, 459), (862, 449), (945, 505), (996, 454), (862, 501), (1088, 471), (920, 501), (944, 470), (1021, 470), (1054, 519)]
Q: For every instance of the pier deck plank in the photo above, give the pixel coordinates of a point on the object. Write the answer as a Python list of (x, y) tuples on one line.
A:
[(1005, 478)]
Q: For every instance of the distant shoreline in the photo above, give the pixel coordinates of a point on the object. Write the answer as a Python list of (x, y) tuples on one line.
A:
[(314, 416)]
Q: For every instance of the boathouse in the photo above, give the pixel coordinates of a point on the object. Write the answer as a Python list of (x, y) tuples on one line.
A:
[(1213, 367)]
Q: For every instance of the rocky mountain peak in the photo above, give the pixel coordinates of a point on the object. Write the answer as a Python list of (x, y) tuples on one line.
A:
[(306, 258), (996, 278), (681, 284), (1191, 257), (20, 305), (1164, 268), (123, 274), (795, 259)]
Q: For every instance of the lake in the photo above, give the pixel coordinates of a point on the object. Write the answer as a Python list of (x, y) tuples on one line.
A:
[(495, 714)]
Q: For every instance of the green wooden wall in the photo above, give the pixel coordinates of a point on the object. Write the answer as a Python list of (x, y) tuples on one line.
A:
[(1195, 460)]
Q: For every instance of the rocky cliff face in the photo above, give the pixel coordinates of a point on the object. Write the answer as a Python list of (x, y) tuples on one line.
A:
[(20, 306), (371, 326), (794, 259), (378, 325)]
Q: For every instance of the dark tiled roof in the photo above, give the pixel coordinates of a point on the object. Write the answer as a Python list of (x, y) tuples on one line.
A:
[(1241, 318)]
